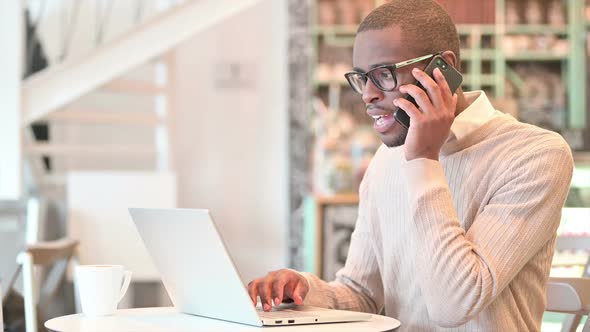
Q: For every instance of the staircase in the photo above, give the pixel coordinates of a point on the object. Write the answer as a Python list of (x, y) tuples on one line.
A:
[(70, 95)]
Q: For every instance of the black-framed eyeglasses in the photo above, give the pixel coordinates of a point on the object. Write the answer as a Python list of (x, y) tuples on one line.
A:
[(382, 76)]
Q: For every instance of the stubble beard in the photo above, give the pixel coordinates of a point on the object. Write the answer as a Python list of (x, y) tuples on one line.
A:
[(398, 140)]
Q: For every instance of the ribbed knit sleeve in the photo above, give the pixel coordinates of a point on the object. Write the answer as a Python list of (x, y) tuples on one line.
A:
[(461, 272), (358, 284)]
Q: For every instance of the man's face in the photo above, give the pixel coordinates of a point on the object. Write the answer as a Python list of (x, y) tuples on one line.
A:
[(378, 47)]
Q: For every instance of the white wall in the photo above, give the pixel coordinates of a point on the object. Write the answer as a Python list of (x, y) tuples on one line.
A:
[(232, 143), (10, 66)]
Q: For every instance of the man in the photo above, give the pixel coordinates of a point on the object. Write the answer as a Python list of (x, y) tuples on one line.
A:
[(458, 214)]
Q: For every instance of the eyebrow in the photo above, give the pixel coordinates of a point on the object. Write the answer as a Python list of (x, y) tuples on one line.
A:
[(375, 66)]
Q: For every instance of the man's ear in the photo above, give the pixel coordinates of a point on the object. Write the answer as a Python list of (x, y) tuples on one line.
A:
[(451, 58)]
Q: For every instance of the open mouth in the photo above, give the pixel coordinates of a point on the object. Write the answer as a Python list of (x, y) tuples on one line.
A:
[(380, 118), (383, 122)]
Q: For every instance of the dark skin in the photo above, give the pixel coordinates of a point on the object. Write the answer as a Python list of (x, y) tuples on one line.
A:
[(429, 129)]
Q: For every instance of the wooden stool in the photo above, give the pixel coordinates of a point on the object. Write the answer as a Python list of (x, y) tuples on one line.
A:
[(54, 255)]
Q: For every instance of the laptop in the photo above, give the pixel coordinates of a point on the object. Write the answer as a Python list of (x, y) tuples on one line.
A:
[(200, 277)]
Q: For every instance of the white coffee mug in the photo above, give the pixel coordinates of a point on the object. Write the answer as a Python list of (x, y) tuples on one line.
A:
[(101, 288)]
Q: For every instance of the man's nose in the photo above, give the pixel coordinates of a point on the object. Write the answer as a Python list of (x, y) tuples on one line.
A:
[(371, 93)]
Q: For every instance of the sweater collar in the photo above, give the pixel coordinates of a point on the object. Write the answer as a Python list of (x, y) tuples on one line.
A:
[(479, 112), (473, 124)]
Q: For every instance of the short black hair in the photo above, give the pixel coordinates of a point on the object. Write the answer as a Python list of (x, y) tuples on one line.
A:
[(424, 21)]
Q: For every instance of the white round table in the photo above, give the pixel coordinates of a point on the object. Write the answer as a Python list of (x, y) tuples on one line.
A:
[(168, 319)]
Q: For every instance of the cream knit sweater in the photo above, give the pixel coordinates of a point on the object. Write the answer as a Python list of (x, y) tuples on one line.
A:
[(460, 244)]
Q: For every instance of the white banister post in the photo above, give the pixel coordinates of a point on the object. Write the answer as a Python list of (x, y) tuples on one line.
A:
[(1, 318), (30, 292), (11, 64)]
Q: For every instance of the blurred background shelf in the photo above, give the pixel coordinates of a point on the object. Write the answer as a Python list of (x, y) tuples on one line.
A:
[(536, 29), (325, 83), (537, 56), (347, 30)]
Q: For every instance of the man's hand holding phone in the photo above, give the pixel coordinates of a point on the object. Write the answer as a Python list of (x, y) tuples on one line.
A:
[(431, 121), (279, 286)]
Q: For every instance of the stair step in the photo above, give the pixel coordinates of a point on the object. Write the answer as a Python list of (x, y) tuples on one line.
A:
[(134, 87), (82, 150), (54, 180), (107, 117)]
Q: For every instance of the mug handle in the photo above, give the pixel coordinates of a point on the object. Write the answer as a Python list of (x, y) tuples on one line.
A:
[(125, 286)]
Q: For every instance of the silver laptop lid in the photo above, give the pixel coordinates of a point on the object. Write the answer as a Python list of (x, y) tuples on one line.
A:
[(196, 269)]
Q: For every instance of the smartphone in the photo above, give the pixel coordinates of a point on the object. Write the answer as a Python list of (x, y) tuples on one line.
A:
[(453, 77)]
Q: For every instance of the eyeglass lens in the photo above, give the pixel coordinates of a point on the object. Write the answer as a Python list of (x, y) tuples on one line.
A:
[(383, 78)]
